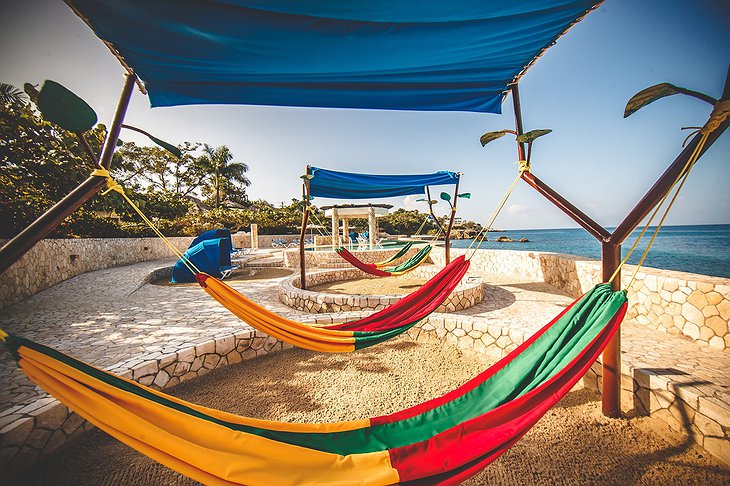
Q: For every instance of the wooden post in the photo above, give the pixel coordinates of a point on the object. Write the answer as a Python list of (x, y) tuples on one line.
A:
[(303, 232), (447, 237), (611, 242), (335, 228), (611, 379), (48, 221), (372, 227), (254, 236)]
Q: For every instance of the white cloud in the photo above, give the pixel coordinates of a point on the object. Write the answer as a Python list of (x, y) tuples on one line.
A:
[(518, 209), (409, 203)]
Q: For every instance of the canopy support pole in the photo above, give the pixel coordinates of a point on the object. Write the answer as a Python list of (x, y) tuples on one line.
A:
[(611, 242), (447, 236), (303, 232), (14, 249)]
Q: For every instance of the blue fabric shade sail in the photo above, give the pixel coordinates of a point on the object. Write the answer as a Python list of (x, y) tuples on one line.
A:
[(208, 256), (457, 55), (348, 185)]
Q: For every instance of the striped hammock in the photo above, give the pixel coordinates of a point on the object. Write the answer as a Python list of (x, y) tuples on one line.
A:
[(339, 338), (373, 269), (396, 256), (442, 441)]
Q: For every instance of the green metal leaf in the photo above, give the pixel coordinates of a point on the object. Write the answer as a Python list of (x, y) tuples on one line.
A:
[(31, 91), (445, 196), (311, 198), (167, 146), (307, 177), (62, 107), (421, 200), (530, 136), (491, 136), (120, 142), (465, 195), (649, 95)]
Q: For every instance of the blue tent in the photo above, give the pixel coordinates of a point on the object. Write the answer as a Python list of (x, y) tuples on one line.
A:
[(211, 234), (433, 55), (209, 256)]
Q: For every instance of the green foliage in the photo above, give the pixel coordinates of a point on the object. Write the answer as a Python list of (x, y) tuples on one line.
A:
[(226, 179), (62, 107)]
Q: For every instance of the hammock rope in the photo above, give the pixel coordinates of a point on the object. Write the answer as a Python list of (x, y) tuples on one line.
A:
[(680, 179)]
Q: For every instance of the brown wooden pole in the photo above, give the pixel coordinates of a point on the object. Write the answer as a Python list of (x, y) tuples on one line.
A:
[(303, 232), (14, 249), (517, 108), (611, 373), (447, 237), (595, 229)]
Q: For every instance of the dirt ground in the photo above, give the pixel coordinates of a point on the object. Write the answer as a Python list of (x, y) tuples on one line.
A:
[(405, 284), (573, 444)]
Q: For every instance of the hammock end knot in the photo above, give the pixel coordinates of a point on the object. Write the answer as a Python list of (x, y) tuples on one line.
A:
[(111, 184), (201, 278), (719, 114)]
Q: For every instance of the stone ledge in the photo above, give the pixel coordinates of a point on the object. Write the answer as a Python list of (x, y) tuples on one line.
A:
[(467, 294)]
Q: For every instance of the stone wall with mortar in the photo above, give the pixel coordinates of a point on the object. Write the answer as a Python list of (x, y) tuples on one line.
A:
[(29, 432), (52, 261), (467, 294), (695, 306)]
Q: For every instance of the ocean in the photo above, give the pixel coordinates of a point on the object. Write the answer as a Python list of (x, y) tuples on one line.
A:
[(702, 249)]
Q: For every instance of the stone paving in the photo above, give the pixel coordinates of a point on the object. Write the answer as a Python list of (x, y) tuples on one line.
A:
[(162, 335)]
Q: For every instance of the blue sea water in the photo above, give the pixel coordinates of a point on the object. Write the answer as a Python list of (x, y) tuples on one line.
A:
[(702, 249)]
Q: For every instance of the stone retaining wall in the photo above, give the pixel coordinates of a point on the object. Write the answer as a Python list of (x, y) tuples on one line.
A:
[(696, 306), (29, 432), (52, 261), (467, 294)]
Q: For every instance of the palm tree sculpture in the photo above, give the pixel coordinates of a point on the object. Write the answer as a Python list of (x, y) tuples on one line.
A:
[(226, 174)]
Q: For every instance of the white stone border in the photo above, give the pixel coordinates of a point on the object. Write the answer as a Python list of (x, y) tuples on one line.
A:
[(467, 294)]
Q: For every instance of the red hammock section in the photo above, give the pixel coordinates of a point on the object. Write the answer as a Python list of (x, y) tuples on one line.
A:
[(416, 305)]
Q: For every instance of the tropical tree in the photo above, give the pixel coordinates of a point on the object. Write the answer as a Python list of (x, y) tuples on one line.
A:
[(9, 95), (228, 179)]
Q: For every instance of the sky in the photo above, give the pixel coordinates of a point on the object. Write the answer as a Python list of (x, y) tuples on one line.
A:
[(600, 161)]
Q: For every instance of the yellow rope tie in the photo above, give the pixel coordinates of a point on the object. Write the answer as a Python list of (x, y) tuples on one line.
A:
[(719, 114), (3, 335), (681, 177), (113, 185)]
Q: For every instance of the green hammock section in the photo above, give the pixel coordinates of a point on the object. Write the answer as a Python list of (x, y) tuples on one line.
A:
[(395, 257)]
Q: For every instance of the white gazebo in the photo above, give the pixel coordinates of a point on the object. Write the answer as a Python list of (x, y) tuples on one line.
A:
[(346, 212)]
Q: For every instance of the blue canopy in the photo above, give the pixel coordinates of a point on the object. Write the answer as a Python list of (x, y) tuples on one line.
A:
[(211, 234), (434, 55), (348, 185), (208, 256)]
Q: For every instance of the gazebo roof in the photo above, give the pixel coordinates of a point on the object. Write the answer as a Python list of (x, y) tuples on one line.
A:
[(357, 210)]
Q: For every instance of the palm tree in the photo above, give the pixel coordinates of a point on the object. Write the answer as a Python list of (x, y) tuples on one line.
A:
[(9, 94), (226, 175)]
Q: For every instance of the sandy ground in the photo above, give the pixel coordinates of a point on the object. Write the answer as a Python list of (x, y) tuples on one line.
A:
[(405, 284), (573, 444)]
